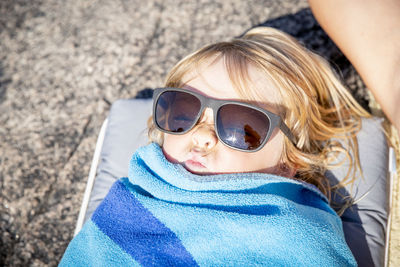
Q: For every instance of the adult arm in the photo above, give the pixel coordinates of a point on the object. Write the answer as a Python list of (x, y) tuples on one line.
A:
[(368, 33)]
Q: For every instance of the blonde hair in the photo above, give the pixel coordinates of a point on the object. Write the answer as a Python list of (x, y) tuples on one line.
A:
[(318, 109)]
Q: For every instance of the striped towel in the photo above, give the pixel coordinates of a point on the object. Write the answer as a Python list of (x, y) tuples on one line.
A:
[(163, 215)]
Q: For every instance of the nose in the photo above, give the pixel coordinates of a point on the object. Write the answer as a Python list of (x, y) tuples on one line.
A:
[(203, 135)]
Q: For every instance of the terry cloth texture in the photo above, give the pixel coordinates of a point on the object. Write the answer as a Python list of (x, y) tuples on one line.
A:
[(163, 215)]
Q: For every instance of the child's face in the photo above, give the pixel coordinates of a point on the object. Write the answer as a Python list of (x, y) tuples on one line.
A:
[(200, 151)]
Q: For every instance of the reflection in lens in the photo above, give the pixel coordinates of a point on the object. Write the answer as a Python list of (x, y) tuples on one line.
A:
[(177, 111), (242, 127), (251, 137)]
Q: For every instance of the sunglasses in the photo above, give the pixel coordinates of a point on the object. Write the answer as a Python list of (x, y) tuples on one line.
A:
[(238, 125)]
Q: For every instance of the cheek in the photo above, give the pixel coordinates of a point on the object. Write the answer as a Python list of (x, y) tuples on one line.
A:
[(274, 148), (173, 147), (272, 152), (250, 163), (266, 160)]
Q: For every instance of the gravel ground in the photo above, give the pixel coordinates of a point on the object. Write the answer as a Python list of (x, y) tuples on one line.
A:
[(61, 65)]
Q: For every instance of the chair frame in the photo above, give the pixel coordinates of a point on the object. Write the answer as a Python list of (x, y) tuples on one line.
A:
[(91, 178)]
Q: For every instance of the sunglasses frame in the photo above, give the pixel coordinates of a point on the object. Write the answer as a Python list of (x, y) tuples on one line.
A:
[(215, 105)]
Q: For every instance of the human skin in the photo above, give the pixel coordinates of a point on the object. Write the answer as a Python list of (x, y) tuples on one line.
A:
[(368, 33), (200, 151)]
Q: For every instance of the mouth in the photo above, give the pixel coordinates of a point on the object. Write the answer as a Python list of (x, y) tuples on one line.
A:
[(194, 166), (194, 163)]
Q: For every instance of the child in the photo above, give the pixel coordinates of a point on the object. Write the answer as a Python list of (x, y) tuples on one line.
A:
[(242, 136), (271, 70)]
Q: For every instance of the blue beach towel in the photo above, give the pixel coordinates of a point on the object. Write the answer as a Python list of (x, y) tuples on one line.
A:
[(163, 215)]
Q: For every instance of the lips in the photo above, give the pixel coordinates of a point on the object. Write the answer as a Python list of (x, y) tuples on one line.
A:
[(194, 164)]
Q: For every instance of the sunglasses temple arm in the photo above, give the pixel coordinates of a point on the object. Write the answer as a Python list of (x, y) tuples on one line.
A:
[(287, 132)]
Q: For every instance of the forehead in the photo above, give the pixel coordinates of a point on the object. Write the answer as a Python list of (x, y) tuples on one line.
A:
[(212, 79)]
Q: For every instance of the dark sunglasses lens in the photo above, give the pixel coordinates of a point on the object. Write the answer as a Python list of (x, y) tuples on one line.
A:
[(176, 111), (242, 127)]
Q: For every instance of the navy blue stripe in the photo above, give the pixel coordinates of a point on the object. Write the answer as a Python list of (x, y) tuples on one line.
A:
[(130, 225)]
